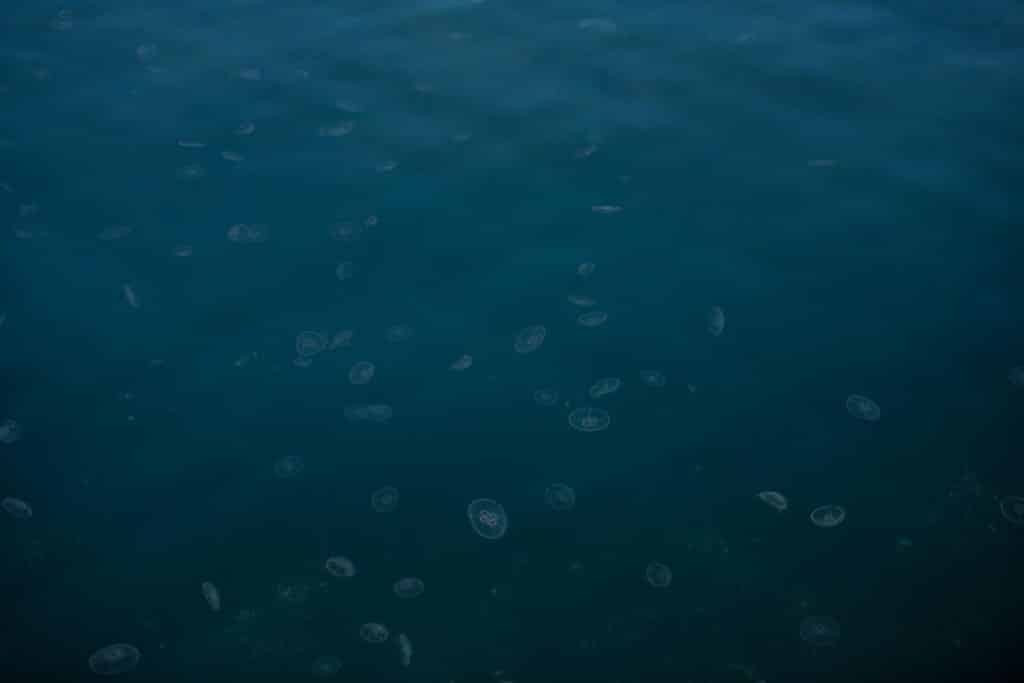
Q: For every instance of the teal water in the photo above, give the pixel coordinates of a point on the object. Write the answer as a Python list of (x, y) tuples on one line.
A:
[(181, 182)]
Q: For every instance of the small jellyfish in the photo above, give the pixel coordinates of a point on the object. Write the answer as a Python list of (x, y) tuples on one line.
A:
[(819, 631), (346, 231), (606, 209), (597, 25), (10, 431), (346, 270), (248, 233), (530, 338), (408, 588), (589, 419), (488, 518), (716, 320), (605, 386), (211, 595), (362, 372), (404, 649), (310, 343), (340, 567), (326, 666), (586, 269), (1012, 509), (399, 333), (289, 467), (251, 73), (379, 413), (581, 300), (592, 319), (293, 591), (341, 339), (147, 52), (463, 362), (191, 172), (233, 157), (560, 497), (773, 499), (114, 659), (546, 397), (385, 499), (658, 575), (1016, 376), (114, 232), (17, 508), (130, 296), (245, 128), (335, 130), (653, 378), (863, 408), (373, 632), (191, 144), (828, 516), (357, 413)]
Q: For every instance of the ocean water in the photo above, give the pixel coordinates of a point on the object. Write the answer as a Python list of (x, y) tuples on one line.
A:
[(212, 211)]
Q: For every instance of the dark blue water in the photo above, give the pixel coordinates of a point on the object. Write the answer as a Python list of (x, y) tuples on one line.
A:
[(182, 180)]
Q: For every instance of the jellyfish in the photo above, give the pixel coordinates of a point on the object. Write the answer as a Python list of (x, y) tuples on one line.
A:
[(373, 632), (863, 408), (605, 386), (346, 231), (408, 587), (1016, 376), (581, 300), (335, 130), (716, 321), (774, 499), (385, 499), (404, 649), (463, 362), (340, 567), (114, 659), (310, 343), (10, 431), (586, 269), (399, 333), (530, 338), (658, 575), (819, 631), (546, 397), (589, 419), (289, 467), (1012, 509), (211, 595), (325, 667), (592, 319), (653, 378), (488, 518), (17, 508), (828, 516), (362, 372), (346, 270), (560, 497)]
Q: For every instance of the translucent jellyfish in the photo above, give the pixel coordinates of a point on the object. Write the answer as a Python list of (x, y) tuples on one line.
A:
[(362, 372), (310, 343), (245, 128), (341, 339), (597, 25), (530, 338), (374, 632), (399, 333), (828, 516), (385, 499), (301, 362), (251, 73), (581, 300), (130, 297), (586, 269), (10, 431), (592, 319), (404, 649), (114, 232), (819, 631), (546, 397), (114, 659), (289, 467), (488, 518), (183, 250), (326, 666), (605, 386), (191, 144), (64, 21), (357, 413), (346, 231), (408, 587), (653, 378), (658, 575), (248, 233), (212, 595), (335, 130), (1016, 376), (293, 591), (560, 497), (774, 499), (716, 320), (147, 52), (863, 408), (463, 362), (17, 508), (340, 567), (606, 209), (233, 157), (1012, 509), (589, 419), (379, 412), (191, 172), (346, 270)]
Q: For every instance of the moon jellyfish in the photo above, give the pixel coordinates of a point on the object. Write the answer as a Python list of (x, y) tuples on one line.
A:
[(530, 338), (10, 431), (346, 270), (1012, 509), (488, 518), (605, 386), (581, 300), (246, 128), (114, 659), (310, 343), (340, 567), (289, 467), (586, 269), (463, 362), (341, 339), (346, 231), (1016, 376), (325, 667), (385, 499), (408, 588), (863, 408), (653, 378), (362, 372), (658, 575), (546, 397), (191, 172), (245, 233), (147, 52), (130, 296), (606, 209), (17, 508), (597, 25), (212, 595), (233, 157), (335, 130), (404, 649), (589, 419), (819, 631), (399, 333), (379, 413), (716, 320), (560, 497), (373, 632), (828, 516), (774, 499), (592, 319)]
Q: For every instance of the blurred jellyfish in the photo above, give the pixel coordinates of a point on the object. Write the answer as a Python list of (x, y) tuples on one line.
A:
[(653, 378), (114, 659), (385, 499), (589, 419), (373, 632), (863, 408), (346, 270), (716, 320), (10, 431), (606, 209), (379, 412), (147, 52), (582, 301), (530, 338), (362, 372), (130, 296), (212, 595), (774, 499), (341, 339), (335, 130), (586, 269), (16, 508), (658, 575), (819, 631), (546, 397), (114, 232), (340, 567), (399, 333), (488, 518), (1016, 376), (233, 157), (404, 649), (560, 497), (828, 516), (250, 73), (605, 386), (463, 362), (325, 667), (597, 25), (408, 588), (1012, 509), (246, 233), (289, 467), (592, 319), (310, 343), (191, 172), (245, 128), (346, 231)]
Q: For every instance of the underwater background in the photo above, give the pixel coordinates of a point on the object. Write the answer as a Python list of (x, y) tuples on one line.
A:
[(716, 306)]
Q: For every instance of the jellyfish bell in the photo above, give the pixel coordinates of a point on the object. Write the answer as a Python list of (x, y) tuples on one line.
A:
[(581, 300), (589, 419), (774, 499), (404, 650), (463, 362), (385, 499), (310, 343), (658, 575), (10, 431), (1016, 376), (819, 631), (653, 378), (374, 632), (828, 516), (560, 497), (114, 659), (863, 408), (592, 319), (340, 567), (325, 667), (716, 321), (605, 386), (529, 339), (17, 508), (399, 333), (488, 518), (408, 587), (289, 467), (586, 269), (546, 397), (211, 594), (1012, 509), (362, 372)]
